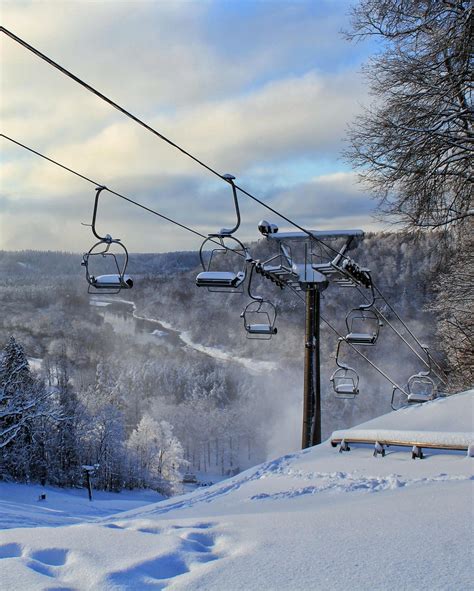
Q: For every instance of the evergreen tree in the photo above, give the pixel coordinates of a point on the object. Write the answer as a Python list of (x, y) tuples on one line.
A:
[(24, 407)]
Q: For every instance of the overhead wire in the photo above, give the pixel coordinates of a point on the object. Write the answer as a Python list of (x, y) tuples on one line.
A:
[(189, 229), (407, 328), (117, 194), (152, 130), (185, 152)]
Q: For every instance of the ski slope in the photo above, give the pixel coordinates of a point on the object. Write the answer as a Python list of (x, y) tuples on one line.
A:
[(315, 519)]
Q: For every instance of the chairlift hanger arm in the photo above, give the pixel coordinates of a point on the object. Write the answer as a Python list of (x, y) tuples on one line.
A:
[(249, 285), (230, 179), (371, 303), (107, 238)]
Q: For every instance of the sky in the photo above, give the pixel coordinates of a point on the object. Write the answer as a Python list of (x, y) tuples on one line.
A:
[(264, 90)]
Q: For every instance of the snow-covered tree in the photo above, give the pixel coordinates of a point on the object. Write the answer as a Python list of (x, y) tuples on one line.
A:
[(22, 398), (155, 456)]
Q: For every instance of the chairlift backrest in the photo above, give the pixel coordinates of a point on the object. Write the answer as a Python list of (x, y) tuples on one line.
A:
[(345, 381), (224, 269), (421, 388)]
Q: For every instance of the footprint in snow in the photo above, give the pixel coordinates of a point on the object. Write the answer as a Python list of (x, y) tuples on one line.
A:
[(150, 530), (149, 574), (46, 562), (113, 526), (195, 548), (51, 556), (10, 551), (205, 540)]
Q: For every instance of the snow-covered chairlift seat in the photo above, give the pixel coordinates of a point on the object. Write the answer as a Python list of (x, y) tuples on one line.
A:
[(419, 397), (220, 279), (361, 338), (265, 329), (113, 281)]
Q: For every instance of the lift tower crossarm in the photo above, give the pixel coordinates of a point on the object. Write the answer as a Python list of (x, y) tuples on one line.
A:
[(318, 234)]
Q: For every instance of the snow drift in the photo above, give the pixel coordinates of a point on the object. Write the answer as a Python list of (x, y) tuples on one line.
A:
[(314, 519)]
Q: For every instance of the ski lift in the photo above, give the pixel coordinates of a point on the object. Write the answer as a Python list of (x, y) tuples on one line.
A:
[(345, 380), (363, 324), (259, 316), (227, 252), (118, 279), (421, 386)]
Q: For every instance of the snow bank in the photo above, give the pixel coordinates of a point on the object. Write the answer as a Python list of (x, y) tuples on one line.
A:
[(315, 519)]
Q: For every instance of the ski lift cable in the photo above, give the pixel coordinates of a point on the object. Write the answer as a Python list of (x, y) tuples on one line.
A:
[(92, 181), (103, 97), (149, 128), (136, 119), (371, 363), (128, 199), (420, 357), (84, 177), (407, 328)]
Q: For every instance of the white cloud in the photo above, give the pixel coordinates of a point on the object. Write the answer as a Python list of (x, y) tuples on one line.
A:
[(240, 103)]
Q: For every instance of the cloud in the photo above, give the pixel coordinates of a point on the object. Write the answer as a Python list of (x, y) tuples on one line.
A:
[(245, 88)]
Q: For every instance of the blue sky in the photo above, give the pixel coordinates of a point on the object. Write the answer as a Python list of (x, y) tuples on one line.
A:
[(264, 90)]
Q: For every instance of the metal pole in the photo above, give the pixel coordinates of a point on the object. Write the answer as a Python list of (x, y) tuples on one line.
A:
[(312, 381), (316, 426), (308, 400), (89, 484)]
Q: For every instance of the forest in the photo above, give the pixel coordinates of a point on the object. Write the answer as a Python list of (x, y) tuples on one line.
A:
[(86, 383)]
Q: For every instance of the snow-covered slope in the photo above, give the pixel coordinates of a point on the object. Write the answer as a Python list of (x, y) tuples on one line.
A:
[(315, 519)]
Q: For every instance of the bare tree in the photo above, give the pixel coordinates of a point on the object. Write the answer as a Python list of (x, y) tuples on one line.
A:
[(414, 146), (455, 306)]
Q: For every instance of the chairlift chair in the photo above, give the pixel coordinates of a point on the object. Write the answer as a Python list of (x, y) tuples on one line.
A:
[(118, 279), (421, 386), (259, 316), (345, 379), (363, 324), (110, 283), (226, 251)]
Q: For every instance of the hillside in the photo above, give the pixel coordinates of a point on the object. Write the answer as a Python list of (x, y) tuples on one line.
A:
[(188, 357), (314, 519)]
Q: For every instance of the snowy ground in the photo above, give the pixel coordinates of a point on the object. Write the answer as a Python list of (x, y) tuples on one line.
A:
[(316, 519)]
